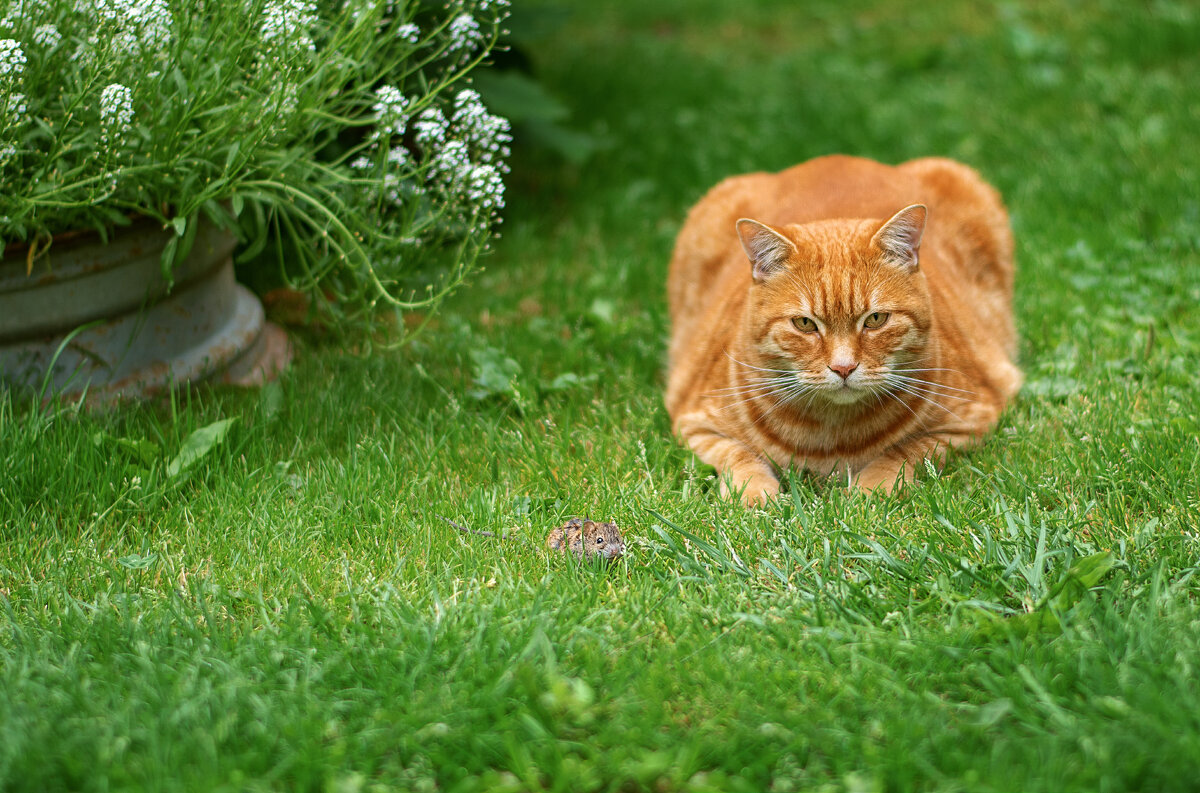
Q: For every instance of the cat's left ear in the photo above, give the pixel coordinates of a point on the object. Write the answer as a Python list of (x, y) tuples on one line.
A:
[(900, 237)]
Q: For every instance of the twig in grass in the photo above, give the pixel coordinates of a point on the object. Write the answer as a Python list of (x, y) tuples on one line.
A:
[(465, 530)]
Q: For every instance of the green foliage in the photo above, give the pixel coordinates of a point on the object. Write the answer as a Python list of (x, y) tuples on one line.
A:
[(198, 445), (337, 136), (293, 614)]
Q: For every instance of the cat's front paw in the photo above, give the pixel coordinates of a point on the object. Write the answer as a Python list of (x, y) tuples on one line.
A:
[(754, 491), (883, 476)]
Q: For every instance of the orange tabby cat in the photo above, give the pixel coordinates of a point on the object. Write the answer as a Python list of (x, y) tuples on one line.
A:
[(870, 330)]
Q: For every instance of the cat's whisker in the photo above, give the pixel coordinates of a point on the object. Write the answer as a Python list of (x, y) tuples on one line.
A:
[(805, 390), (928, 385), (886, 391), (925, 398), (903, 404), (734, 390), (787, 391), (757, 381), (759, 385), (914, 365), (909, 378), (889, 379), (758, 368), (752, 398), (908, 370), (913, 388)]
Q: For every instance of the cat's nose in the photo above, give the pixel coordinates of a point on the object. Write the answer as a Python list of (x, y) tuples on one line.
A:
[(843, 369)]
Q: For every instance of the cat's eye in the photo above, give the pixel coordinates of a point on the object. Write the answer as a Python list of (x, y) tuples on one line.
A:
[(876, 320), (804, 324)]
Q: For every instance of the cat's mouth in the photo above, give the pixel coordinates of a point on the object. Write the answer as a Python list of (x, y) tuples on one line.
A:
[(844, 393)]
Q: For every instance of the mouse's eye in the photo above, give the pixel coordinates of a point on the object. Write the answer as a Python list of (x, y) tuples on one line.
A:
[(599, 540)]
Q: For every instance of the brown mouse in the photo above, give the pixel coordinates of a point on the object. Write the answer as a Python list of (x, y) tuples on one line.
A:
[(585, 537)]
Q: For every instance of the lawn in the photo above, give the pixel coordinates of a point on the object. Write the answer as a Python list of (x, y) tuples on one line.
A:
[(285, 610)]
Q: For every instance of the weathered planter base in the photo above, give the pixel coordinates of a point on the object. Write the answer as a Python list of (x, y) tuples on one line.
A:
[(207, 328)]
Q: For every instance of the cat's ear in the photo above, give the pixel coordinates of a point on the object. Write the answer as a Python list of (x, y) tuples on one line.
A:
[(900, 237), (767, 248)]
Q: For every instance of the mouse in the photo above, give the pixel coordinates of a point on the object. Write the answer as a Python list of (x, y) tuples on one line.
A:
[(584, 537)]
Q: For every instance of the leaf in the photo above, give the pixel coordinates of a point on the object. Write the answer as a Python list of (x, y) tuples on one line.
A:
[(993, 712), (603, 310), (138, 562), (1081, 576), (198, 445), (495, 373), (145, 451), (271, 399), (568, 380), (189, 237), (518, 97), (1084, 574), (572, 145), (167, 262), (542, 117)]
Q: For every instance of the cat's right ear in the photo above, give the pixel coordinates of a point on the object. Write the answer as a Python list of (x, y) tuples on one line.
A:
[(767, 248)]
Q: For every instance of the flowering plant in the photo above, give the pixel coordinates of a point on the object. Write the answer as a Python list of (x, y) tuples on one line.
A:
[(337, 134)]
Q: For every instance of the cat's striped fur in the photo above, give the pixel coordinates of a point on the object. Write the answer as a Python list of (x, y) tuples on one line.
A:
[(860, 324)]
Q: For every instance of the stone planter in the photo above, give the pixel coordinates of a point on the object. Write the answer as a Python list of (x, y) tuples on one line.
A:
[(206, 327)]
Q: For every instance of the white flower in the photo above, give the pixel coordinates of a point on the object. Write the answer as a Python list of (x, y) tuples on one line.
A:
[(391, 108), (15, 108), (465, 35), (140, 26), (287, 25), (32, 8), (116, 112), (486, 134), (7, 152), (397, 155), (485, 187), (451, 162), (12, 67), (500, 7), (47, 36), (431, 128), (12, 61), (410, 33), (464, 157)]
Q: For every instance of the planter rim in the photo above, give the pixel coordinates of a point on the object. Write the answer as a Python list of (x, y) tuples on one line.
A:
[(83, 278), (148, 336)]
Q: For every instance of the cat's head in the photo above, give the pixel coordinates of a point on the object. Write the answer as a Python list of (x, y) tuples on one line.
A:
[(839, 309)]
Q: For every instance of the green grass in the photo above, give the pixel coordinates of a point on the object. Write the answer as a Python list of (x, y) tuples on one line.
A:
[(290, 613)]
